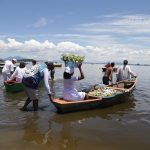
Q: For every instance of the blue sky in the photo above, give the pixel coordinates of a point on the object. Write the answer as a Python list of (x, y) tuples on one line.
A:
[(102, 30)]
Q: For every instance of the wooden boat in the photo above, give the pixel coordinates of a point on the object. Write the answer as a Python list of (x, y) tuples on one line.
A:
[(57, 65), (104, 69), (123, 90), (13, 86)]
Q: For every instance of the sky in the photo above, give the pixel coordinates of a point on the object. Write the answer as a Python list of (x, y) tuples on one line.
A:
[(100, 30)]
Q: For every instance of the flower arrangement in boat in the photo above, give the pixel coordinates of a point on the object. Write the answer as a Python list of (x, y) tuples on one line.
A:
[(102, 92), (72, 58)]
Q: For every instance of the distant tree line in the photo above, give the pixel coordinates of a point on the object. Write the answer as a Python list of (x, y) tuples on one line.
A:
[(25, 60)]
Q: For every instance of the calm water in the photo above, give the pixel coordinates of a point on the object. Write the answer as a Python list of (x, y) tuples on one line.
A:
[(121, 127)]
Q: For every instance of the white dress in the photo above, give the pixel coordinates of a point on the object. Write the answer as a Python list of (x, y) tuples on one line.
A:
[(70, 93)]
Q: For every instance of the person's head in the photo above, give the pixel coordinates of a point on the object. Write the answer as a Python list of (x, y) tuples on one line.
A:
[(33, 62), (125, 62), (112, 64), (14, 60), (50, 65), (22, 64), (68, 72)]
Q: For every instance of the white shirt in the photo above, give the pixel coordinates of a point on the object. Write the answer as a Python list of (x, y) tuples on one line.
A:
[(18, 74), (34, 67), (70, 93), (45, 74), (8, 67), (124, 72)]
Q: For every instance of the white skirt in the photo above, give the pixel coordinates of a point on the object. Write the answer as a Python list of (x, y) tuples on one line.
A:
[(73, 95)]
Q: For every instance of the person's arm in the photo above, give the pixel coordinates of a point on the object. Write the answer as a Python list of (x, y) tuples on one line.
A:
[(46, 83), (13, 76), (12, 68), (111, 75), (81, 73), (131, 72)]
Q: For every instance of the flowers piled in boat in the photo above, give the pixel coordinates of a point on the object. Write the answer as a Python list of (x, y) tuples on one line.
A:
[(72, 57), (108, 92), (95, 93), (102, 92)]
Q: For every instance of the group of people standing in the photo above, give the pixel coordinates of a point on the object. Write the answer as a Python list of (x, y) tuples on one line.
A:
[(124, 72), (30, 78)]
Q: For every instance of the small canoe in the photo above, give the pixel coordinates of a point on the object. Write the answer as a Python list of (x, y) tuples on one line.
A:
[(13, 87), (104, 69), (58, 65), (123, 90)]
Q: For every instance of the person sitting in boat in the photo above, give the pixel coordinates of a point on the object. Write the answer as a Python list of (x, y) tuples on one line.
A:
[(18, 73), (108, 75), (124, 72), (69, 92), (8, 69)]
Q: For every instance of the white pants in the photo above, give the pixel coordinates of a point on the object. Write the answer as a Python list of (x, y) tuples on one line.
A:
[(31, 93)]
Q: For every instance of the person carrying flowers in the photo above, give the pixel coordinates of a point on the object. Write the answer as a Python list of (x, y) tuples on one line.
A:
[(70, 93)]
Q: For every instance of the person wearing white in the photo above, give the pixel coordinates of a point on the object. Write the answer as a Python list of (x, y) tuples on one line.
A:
[(42, 73), (18, 73), (8, 69), (124, 72), (34, 65), (69, 92)]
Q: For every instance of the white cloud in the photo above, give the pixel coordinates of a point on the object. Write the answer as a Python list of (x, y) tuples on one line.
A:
[(69, 46), (120, 24), (41, 22), (112, 38), (47, 50)]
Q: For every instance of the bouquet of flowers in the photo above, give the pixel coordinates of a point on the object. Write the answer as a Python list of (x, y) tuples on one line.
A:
[(71, 59)]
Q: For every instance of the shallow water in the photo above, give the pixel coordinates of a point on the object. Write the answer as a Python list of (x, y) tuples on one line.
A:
[(123, 126)]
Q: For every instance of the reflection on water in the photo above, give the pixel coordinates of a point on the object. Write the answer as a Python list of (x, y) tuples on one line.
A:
[(123, 126), (34, 132)]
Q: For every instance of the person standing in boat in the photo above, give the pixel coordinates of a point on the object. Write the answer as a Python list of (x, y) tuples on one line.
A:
[(124, 72), (108, 75), (8, 69), (69, 92), (18, 73), (31, 81)]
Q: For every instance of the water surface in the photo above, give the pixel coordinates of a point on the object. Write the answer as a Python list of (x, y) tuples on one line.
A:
[(125, 126)]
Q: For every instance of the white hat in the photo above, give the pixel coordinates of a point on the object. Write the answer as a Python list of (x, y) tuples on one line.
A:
[(14, 59), (69, 70)]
